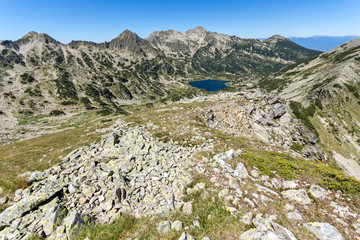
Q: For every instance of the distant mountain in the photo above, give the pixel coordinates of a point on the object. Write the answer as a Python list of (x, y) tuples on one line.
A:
[(39, 74), (322, 43)]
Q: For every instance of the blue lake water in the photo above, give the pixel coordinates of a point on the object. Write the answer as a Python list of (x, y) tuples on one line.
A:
[(209, 85)]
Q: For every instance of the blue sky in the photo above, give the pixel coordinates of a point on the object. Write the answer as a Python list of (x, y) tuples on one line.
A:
[(100, 21)]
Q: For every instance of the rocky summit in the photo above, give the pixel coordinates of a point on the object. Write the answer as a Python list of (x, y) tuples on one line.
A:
[(235, 165)]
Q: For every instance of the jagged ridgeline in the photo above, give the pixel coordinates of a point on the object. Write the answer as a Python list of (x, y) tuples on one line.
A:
[(39, 74)]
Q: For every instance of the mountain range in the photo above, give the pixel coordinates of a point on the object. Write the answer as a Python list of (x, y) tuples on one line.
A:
[(39, 74), (322, 43)]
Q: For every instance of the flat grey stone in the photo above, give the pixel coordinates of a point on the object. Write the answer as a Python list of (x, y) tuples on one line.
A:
[(186, 236), (318, 192), (241, 171), (177, 225), (294, 215), (299, 196), (323, 231), (187, 208), (163, 227)]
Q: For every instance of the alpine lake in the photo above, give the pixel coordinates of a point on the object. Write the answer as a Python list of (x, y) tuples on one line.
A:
[(209, 85)]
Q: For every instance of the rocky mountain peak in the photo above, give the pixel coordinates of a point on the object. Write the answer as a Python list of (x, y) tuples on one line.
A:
[(197, 30), (124, 39), (157, 35), (277, 37), (34, 36), (30, 34), (132, 43), (127, 34)]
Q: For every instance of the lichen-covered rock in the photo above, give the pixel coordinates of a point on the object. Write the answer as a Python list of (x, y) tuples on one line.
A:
[(294, 215), (299, 196), (258, 234), (223, 193), (318, 192), (53, 218), (163, 227), (261, 223), (247, 218), (324, 231), (141, 176), (9, 234), (186, 236), (276, 110), (266, 230), (199, 187), (177, 225), (196, 223), (241, 171), (73, 222), (27, 204)]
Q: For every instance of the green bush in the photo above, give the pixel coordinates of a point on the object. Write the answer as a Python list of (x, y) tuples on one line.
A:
[(86, 102), (67, 103), (350, 87), (297, 147), (105, 112), (303, 114), (56, 113), (288, 168), (26, 78), (65, 87), (318, 104)]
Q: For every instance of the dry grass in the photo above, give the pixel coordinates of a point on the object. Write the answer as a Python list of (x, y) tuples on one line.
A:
[(41, 153)]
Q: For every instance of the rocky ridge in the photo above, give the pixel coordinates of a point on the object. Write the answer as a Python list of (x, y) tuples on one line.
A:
[(267, 118), (128, 171), (263, 116), (131, 172)]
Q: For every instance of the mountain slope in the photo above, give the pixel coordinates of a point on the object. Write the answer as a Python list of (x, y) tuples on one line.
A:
[(178, 172), (209, 52), (328, 88)]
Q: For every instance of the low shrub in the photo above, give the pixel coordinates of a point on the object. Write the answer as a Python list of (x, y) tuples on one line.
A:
[(56, 113)]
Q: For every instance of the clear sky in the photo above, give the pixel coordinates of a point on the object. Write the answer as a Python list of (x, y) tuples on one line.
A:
[(99, 21)]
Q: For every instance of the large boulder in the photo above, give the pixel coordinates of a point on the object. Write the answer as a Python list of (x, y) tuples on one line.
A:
[(73, 222), (27, 204), (277, 110), (53, 218), (257, 234), (324, 231), (266, 230), (241, 171), (318, 192), (298, 195)]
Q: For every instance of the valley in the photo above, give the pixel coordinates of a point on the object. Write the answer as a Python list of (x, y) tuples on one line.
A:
[(114, 140)]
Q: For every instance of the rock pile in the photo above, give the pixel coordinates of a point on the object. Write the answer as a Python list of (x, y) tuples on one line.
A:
[(266, 117), (128, 171)]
